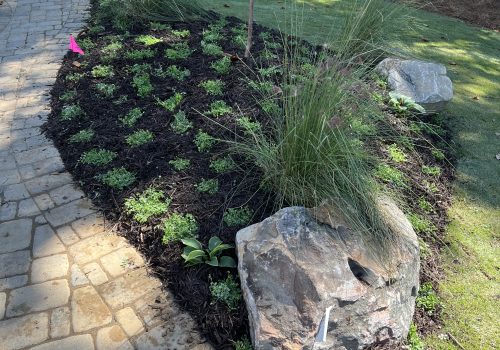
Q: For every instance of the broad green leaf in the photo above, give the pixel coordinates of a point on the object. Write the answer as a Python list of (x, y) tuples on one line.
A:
[(213, 242), (227, 261), (195, 254), (219, 249), (191, 242), (213, 262)]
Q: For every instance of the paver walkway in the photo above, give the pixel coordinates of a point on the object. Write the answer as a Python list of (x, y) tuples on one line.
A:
[(66, 280)]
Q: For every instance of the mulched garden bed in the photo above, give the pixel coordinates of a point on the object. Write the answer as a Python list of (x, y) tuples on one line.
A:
[(151, 165)]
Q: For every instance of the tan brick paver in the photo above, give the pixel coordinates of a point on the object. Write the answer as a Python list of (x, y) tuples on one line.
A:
[(66, 280)]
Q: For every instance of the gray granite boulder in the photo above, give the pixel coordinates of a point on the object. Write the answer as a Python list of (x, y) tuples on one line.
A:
[(426, 83), (309, 282)]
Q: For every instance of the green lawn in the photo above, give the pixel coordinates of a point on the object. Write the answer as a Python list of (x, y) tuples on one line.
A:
[(470, 289)]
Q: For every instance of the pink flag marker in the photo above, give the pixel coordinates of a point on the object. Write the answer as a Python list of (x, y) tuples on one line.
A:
[(73, 46)]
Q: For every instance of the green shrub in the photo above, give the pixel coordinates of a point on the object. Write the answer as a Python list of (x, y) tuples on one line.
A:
[(120, 100), (102, 71), (74, 77), (421, 225), (397, 155), (248, 126), (194, 253), (179, 226), (111, 51), (83, 136), (140, 137), (204, 141), (86, 44), (226, 291), (172, 102), (178, 74), (211, 49), (237, 216), (270, 107), (180, 164), (243, 344), (414, 340), (208, 186), (438, 154), (211, 36), (269, 71), (182, 34), (132, 117), (142, 68), (106, 90), (181, 123), (219, 108), (96, 29), (425, 205), (71, 112), (68, 96), (149, 203), (138, 55), (148, 40), (118, 178), (178, 51), (262, 87), (222, 66), (222, 165), (98, 157), (431, 170), (142, 84), (213, 87), (427, 299), (390, 175)]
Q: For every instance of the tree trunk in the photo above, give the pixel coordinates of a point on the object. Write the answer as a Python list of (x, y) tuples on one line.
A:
[(250, 30)]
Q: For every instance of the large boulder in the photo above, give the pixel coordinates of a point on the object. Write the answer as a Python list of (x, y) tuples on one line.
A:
[(309, 282), (426, 83)]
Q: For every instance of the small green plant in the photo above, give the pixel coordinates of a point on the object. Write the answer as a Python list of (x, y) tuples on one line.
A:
[(98, 157), (226, 291), (240, 40), (403, 105), (414, 340), (204, 141), (140, 137), (397, 155), (111, 51), (212, 35), (102, 71), (430, 186), (211, 49), (82, 136), (132, 117), (138, 55), (178, 51), (181, 33), (270, 107), (248, 126), (208, 186), (181, 123), (73, 77), (68, 96), (421, 225), (427, 299), (156, 27), (438, 154), (222, 66), (172, 102), (243, 344), (120, 100), (390, 175), (118, 178), (149, 203), (237, 216), (194, 253), (71, 112), (86, 44), (222, 165), (140, 68), (106, 90), (425, 205), (180, 164), (179, 226), (431, 170), (219, 108), (148, 40), (142, 84), (269, 71), (178, 74), (262, 87), (213, 87)]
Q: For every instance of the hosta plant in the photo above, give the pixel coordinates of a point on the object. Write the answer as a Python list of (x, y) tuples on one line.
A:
[(195, 254), (402, 104)]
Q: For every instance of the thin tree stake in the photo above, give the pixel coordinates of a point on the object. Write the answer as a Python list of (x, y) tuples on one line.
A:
[(250, 30)]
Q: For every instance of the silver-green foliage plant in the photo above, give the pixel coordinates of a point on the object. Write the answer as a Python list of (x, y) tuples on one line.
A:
[(179, 226), (427, 299), (222, 165), (180, 164), (219, 108), (222, 66), (243, 344), (208, 186), (226, 291), (194, 253), (140, 137), (171, 103), (83, 136), (149, 203), (98, 157), (71, 112), (213, 87), (181, 123), (132, 117), (142, 83), (204, 141), (237, 216), (118, 178)]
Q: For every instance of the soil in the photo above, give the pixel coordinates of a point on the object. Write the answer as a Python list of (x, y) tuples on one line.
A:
[(483, 13), (241, 187)]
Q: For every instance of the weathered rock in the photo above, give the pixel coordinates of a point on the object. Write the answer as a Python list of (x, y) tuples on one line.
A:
[(426, 83), (310, 283)]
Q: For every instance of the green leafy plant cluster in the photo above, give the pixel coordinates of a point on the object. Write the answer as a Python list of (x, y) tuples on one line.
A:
[(132, 117), (149, 40), (237, 216), (270, 71), (219, 108), (177, 73), (71, 112), (195, 254), (425, 205), (222, 66), (431, 170), (102, 71), (248, 126), (68, 96), (140, 137), (421, 225), (270, 107), (111, 51), (118, 178), (222, 165), (211, 49), (83, 136), (414, 340), (179, 226), (243, 344), (203, 141), (226, 291), (172, 102), (156, 26), (74, 77), (262, 87), (178, 51), (403, 105), (86, 44), (181, 123), (213, 87), (181, 33), (106, 90), (98, 157), (427, 299), (397, 155), (180, 164), (138, 55), (140, 68), (208, 186), (390, 175), (142, 84), (149, 203)]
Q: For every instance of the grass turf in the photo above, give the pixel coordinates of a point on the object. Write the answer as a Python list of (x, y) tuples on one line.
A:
[(471, 54)]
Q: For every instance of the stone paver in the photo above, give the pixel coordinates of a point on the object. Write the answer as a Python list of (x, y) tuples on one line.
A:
[(67, 281)]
